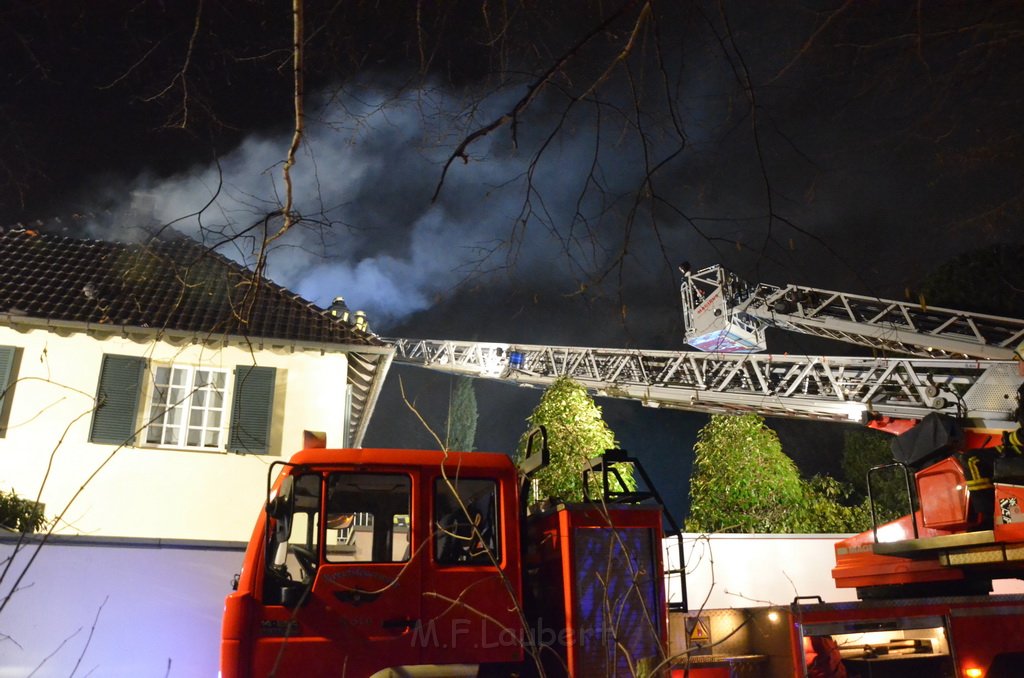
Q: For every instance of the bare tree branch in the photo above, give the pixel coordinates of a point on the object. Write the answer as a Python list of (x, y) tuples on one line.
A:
[(533, 91)]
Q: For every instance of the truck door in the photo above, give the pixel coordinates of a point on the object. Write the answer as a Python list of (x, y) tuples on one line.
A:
[(363, 609), (471, 573)]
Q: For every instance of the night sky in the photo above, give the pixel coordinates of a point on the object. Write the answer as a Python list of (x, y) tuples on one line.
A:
[(844, 145)]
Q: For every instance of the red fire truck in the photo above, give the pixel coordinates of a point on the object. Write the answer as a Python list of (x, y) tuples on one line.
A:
[(402, 562), (388, 562), (398, 562)]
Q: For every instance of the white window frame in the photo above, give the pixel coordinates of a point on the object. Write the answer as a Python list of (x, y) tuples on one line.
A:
[(184, 398)]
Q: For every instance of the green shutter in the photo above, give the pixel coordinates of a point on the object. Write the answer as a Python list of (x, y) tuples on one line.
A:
[(8, 358), (117, 400), (252, 406)]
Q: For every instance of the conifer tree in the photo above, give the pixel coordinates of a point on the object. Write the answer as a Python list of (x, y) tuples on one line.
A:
[(462, 416)]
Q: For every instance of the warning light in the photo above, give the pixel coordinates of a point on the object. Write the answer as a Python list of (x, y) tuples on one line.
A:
[(973, 673)]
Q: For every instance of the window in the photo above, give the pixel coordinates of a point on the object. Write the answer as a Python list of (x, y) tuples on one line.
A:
[(187, 407), (465, 521), (368, 518), (294, 538)]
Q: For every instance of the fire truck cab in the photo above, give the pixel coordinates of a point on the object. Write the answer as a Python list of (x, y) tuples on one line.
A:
[(366, 561), (410, 563)]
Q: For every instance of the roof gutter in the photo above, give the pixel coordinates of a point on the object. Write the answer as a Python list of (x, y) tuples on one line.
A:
[(16, 321)]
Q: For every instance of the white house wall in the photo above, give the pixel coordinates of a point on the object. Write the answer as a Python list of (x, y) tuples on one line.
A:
[(115, 610), (144, 491)]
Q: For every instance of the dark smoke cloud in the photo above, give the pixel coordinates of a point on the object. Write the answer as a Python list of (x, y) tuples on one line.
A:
[(363, 183)]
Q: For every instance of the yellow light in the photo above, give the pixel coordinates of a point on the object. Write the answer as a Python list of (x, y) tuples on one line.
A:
[(973, 673), (773, 616)]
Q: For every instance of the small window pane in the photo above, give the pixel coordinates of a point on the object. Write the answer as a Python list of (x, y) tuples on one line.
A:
[(172, 417), (176, 396)]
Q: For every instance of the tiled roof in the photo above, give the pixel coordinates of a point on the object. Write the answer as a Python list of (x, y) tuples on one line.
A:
[(173, 284)]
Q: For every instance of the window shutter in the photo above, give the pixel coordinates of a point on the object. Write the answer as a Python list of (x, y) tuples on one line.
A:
[(252, 406), (117, 400), (8, 356)]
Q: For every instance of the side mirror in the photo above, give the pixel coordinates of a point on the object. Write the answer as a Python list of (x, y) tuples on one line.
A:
[(282, 505), (530, 464), (535, 461)]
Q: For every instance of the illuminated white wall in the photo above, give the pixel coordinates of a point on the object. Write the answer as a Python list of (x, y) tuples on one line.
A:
[(115, 611), (145, 491)]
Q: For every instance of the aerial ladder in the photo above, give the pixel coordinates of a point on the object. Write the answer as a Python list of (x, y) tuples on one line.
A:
[(926, 361), (841, 389), (959, 372)]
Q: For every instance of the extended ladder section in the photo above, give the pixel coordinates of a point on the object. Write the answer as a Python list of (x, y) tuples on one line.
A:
[(799, 387), (726, 314), (957, 363)]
